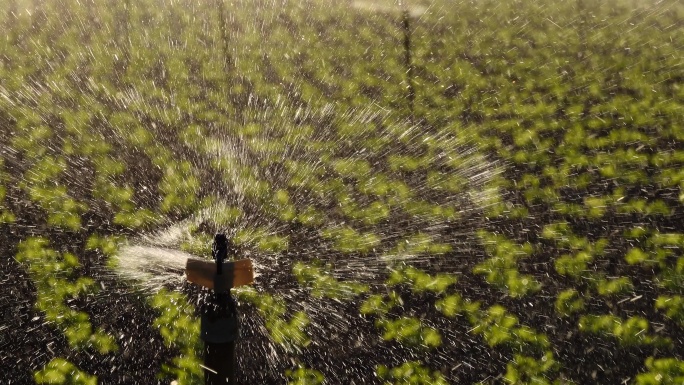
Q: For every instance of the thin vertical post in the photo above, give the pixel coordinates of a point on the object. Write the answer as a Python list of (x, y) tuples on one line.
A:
[(219, 323), (411, 92), (225, 40), (583, 25)]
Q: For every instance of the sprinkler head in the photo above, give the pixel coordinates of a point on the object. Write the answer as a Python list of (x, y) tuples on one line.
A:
[(219, 251)]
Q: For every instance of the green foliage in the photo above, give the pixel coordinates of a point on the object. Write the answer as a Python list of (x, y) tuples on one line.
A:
[(194, 135), (664, 251), (673, 307), (56, 285), (583, 252), (372, 214), (179, 186), (382, 187), (636, 255), (562, 235), (410, 331), (451, 183), (569, 302), (304, 376), (501, 269), (117, 196), (596, 207), (215, 211), (615, 286), (62, 372), (499, 245), (63, 210), (420, 244), (311, 217), (135, 219), (404, 163), (323, 284), (352, 168), (107, 245), (574, 266), (629, 332), (260, 239), (39, 182), (430, 212), (454, 304), (529, 370), (379, 304), (662, 371), (290, 334), (348, 240), (410, 373), (180, 330), (421, 281), (282, 205), (499, 327), (34, 136), (672, 277), (667, 239), (198, 244), (6, 216)]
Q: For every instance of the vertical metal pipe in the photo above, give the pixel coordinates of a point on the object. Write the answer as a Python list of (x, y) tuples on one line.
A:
[(219, 324), (219, 360)]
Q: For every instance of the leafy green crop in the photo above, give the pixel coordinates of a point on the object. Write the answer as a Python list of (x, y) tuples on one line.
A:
[(348, 240), (61, 371), (569, 302), (412, 372), (411, 331), (289, 333), (304, 376), (54, 275), (500, 270), (662, 371), (323, 284), (180, 330), (632, 331), (673, 307), (421, 281)]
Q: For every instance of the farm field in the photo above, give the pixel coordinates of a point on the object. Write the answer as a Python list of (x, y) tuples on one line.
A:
[(474, 192)]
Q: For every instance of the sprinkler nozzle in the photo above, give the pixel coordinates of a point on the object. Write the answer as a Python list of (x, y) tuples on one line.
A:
[(219, 251)]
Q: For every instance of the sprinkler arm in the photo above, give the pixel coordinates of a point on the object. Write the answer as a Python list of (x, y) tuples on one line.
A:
[(220, 275), (203, 272)]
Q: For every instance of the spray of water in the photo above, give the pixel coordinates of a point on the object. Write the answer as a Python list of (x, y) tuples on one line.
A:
[(152, 267), (154, 259)]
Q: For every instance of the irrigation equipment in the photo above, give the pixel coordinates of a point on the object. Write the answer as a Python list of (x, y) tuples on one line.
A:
[(219, 320)]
